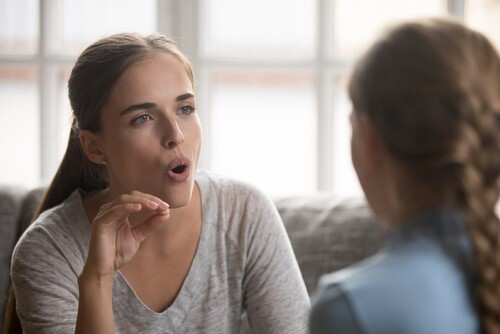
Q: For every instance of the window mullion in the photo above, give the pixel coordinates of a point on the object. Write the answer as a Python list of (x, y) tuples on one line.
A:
[(203, 100), (456, 8), (41, 95), (324, 102), (204, 89), (164, 17), (190, 26), (47, 89)]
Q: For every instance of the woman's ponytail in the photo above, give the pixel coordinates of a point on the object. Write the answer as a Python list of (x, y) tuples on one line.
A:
[(76, 171)]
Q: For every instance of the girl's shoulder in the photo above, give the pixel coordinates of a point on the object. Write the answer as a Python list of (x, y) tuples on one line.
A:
[(416, 284)]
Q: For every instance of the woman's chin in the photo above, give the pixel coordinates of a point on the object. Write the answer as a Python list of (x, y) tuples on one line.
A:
[(177, 199), (177, 203)]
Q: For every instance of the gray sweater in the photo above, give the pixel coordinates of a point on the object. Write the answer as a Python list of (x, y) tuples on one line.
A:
[(244, 264)]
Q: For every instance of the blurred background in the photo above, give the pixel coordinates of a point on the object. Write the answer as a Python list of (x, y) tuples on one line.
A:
[(271, 76)]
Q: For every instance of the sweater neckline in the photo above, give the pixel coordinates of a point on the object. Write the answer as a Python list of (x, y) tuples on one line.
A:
[(187, 295)]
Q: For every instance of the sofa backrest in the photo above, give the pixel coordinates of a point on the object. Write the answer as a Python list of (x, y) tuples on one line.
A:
[(328, 234), (16, 210)]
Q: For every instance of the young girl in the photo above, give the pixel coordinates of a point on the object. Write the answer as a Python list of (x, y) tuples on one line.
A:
[(426, 149), (131, 236)]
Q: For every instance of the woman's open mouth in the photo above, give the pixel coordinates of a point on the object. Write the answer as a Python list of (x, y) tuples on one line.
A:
[(179, 170)]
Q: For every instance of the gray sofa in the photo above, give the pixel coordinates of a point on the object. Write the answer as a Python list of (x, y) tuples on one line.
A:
[(326, 234)]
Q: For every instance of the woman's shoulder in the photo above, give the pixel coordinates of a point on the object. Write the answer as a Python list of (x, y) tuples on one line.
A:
[(236, 206), (58, 227), (56, 218), (228, 187)]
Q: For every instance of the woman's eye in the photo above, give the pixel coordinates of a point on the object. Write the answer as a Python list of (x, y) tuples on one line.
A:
[(186, 110), (142, 119)]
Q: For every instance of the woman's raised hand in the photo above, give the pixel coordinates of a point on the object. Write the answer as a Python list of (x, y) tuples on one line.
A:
[(114, 240)]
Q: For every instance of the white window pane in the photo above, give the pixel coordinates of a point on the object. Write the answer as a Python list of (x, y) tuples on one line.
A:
[(263, 130), (358, 22), (484, 15), (345, 181), (80, 23), (19, 32), (259, 28), (19, 128)]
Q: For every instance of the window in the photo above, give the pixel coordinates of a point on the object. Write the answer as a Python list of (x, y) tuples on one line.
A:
[(38, 47), (484, 15), (263, 128), (20, 124), (271, 76)]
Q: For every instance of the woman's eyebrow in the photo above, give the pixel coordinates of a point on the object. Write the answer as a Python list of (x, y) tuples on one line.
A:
[(140, 106), (184, 97), (149, 105)]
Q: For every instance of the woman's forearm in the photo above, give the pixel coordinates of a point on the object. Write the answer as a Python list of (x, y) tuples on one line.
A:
[(113, 242), (95, 309)]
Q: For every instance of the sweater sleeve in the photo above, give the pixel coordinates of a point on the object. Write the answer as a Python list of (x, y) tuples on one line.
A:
[(275, 296), (45, 284)]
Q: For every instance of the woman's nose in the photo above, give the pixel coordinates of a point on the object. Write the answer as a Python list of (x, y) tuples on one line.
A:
[(173, 135)]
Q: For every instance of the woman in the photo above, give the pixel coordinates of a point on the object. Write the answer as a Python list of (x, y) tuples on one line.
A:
[(426, 149), (131, 237)]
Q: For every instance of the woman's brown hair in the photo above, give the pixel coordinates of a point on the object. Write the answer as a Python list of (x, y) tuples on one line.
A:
[(432, 90), (92, 79)]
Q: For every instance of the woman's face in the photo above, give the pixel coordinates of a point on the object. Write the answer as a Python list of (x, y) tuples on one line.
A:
[(151, 134)]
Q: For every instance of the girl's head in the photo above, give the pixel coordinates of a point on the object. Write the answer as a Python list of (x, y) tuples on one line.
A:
[(430, 91), (108, 74)]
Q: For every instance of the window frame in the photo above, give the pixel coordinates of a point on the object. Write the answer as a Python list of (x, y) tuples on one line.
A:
[(181, 20), (323, 65)]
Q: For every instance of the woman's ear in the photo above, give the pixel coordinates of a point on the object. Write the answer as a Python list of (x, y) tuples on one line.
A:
[(372, 145), (92, 147)]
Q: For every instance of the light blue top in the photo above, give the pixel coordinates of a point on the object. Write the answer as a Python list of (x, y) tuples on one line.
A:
[(419, 283)]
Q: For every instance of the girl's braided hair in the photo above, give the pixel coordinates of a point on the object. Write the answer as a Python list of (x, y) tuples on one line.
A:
[(432, 90)]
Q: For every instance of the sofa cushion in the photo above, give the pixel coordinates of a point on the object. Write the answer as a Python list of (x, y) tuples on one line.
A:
[(329, 234)]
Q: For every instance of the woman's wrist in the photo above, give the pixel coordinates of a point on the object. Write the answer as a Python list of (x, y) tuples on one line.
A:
[(92, 280), (95, 310)]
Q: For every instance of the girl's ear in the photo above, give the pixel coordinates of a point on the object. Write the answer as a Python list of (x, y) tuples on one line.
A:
[(372, 145), (92, 147)]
